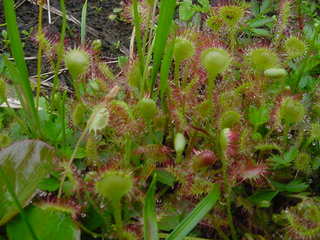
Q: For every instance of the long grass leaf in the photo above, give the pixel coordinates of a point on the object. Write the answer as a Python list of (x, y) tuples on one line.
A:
[(16, 78), (149, 213), (84, 22), (164, 71), (14, 37), (167, 9), (137, 27), (18, 54), (202, 208)]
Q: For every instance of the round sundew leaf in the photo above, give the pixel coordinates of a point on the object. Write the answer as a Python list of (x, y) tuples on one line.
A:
[(262, 59), (183, 49), (215, 60), (47, 223), (77, 62), (24, 164), (113, 185)]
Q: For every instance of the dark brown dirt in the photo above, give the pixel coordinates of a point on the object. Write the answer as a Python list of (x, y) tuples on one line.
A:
[(115, 34)]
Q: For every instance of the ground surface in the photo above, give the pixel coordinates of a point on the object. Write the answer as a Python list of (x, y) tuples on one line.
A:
[(115, 34)]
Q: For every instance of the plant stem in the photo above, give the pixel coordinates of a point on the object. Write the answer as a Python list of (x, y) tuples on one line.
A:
[(116, 205), (178, 157), (63, 118), (165, 235), (177, 73), (68, 167), (228, 190), (137, 26), (39, 56), (211, 85)]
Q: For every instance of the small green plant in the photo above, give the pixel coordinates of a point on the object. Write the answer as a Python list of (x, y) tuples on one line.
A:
[(114, 185)]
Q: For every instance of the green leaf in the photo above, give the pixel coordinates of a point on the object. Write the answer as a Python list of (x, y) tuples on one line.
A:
[(25, 163), (202, 208), (165, 177), (167, 10), (165, 70), (49, 184), (294, 186), (258, 116), (149, 213), (255, 7), (186, 10), (305, 81), (21, 76), (84, 22), (263, 198), (261, 32), (285, 160), (260, 22), (205, 5), (169, 222), (266, 7), (47, 222)]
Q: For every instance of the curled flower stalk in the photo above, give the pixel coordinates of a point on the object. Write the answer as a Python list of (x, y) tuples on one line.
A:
[(227, 139)]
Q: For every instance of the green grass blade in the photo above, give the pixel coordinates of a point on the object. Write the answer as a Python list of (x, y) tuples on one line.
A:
[(167, 9), (84, 22), (164, 71), (18, 54), (137, 26), (14, 37), (202, 208), (16, 77), (149, 213)]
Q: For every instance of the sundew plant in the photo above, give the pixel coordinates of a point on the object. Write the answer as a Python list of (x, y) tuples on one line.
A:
[(208, 127)]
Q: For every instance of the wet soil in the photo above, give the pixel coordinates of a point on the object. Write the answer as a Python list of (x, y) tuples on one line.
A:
[(115, 34)]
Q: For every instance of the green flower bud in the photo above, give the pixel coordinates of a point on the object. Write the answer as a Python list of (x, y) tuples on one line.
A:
[(229, 119), (275, 72), (262, 59), (146, 108), (179, 143), (291, 111), (183, 49), (77, 62), (215, 60), (113, 185), (99, 118)]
